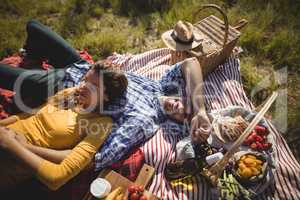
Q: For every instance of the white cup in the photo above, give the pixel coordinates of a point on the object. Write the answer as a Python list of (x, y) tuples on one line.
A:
[(100, 188)]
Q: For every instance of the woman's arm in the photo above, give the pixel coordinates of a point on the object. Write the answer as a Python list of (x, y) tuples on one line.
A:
[(9, 120), (55, 156), (51, 174), (55, 175), (8, 142)]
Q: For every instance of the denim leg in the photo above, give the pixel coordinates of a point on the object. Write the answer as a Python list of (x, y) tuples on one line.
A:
[(33, 85), (42, 42)]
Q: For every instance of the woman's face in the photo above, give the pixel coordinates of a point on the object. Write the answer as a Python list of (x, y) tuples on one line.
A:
[(91, 91), (174, 108)]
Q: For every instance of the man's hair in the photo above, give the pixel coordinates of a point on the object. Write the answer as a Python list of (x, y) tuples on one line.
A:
[(114, 80)]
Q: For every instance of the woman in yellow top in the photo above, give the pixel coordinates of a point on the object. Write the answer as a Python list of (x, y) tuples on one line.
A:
[(57, 142)]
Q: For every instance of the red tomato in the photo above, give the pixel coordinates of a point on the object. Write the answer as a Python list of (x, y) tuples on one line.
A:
[(253, 133), (143, 197), (268, 145), (251, 138), (132, 189), (259, 138), (140, 188), (246, 142), (134, 196), (253, 146), (259, 146), (260, 129)]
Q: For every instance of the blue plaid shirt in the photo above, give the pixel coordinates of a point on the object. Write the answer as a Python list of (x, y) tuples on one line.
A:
[(137, 114), (75, 72)]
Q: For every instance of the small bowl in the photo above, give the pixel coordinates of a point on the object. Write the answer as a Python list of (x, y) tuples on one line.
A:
[(253, 179), (100, 188)]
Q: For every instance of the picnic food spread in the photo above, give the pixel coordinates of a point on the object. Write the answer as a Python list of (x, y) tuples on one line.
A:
[(246, 173)]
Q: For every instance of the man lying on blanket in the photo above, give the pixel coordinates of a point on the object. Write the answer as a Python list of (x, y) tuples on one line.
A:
[(139, 113)]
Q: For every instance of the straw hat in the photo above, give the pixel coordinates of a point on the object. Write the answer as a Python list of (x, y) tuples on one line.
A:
[(183, 37)]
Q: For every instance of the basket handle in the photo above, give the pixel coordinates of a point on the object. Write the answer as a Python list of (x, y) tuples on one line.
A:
[(241, 24), (214, 6)]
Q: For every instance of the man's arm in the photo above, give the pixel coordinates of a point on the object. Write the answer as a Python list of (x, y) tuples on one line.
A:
[(192, 74), (132, 132), (200, 124)]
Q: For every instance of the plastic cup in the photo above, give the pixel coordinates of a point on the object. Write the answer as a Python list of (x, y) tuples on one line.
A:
[(100, 188)]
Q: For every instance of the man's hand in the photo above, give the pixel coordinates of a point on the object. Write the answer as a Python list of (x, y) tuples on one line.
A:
[(200, 128), (7, 137)]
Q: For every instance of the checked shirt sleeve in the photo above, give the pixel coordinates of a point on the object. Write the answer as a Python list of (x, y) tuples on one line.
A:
[(75, 72), (136, 129), (172, 82)]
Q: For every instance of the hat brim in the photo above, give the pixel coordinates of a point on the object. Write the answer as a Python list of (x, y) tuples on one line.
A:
[(172, 44)]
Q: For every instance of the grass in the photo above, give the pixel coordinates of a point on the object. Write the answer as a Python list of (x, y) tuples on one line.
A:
[(270, 41), (101, 44)]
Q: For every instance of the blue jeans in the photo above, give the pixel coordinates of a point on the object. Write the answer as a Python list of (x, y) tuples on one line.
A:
[(41, 43)]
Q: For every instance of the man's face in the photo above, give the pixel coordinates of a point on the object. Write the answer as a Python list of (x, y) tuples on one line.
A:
[(91, 91), (174, 108)]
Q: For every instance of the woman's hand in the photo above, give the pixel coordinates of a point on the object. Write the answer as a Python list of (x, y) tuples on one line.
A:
[(21, 139), (200, 128), (7, 137)]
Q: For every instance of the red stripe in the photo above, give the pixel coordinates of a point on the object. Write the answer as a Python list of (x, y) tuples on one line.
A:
[(280, 180), (164, 162), (157, 151), (222, 100), (213, 91), (286, 164)]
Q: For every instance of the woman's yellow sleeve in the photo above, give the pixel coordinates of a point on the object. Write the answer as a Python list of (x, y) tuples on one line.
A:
[(55, 175)]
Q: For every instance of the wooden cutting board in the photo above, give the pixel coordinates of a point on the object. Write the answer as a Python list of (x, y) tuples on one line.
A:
[(117, 180)]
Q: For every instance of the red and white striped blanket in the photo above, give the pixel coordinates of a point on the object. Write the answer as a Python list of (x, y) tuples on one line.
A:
[(223, 88)]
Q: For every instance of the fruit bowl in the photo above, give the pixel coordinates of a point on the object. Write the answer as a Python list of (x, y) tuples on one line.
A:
[(250, 167)]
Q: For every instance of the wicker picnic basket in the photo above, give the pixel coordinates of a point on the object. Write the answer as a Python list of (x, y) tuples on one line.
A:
[(219, 38)]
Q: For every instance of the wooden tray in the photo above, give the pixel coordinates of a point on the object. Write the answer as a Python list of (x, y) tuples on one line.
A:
[(117, 180)]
